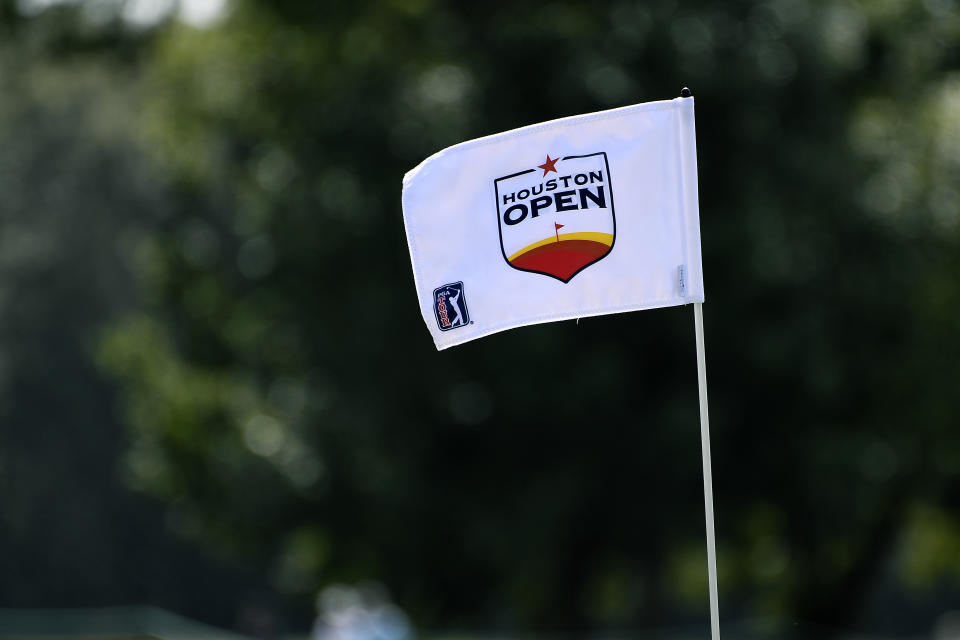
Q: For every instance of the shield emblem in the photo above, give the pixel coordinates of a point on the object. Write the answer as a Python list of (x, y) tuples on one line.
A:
[(557, 219)]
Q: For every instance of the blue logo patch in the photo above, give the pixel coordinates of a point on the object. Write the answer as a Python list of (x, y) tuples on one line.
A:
[(450, 306)]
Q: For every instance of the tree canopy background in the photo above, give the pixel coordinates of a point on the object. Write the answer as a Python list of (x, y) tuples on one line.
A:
[(218, 395)]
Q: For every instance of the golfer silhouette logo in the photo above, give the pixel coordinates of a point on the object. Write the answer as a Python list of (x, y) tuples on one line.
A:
[(450, 306)]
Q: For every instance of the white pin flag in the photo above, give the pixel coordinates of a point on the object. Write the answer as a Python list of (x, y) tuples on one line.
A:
[(575, 217)]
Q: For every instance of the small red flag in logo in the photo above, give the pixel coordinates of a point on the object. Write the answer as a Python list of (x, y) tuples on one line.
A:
[(556, 229)]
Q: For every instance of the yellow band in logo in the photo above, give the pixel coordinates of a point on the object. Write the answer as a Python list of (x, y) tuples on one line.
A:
[(595, 236)]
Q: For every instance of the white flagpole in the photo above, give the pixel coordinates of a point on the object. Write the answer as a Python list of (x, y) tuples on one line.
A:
[(707, 475)]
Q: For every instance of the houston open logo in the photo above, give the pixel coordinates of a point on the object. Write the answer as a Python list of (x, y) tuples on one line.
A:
[(559, 222)]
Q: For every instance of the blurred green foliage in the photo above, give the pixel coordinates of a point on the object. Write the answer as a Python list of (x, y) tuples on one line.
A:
[(223, 207)]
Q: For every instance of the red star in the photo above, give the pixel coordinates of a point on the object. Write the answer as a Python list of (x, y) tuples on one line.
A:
[(548, 166)]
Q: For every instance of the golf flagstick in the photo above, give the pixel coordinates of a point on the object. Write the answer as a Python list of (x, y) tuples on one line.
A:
[(707, 475)]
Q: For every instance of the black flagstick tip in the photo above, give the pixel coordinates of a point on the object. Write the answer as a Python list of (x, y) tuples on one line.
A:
[(685, 93)]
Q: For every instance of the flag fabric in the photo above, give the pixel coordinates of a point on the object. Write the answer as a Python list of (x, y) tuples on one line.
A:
[(576, 217)]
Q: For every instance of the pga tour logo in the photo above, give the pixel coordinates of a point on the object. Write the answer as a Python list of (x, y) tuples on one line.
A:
[(558, 222), (450, 306)]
